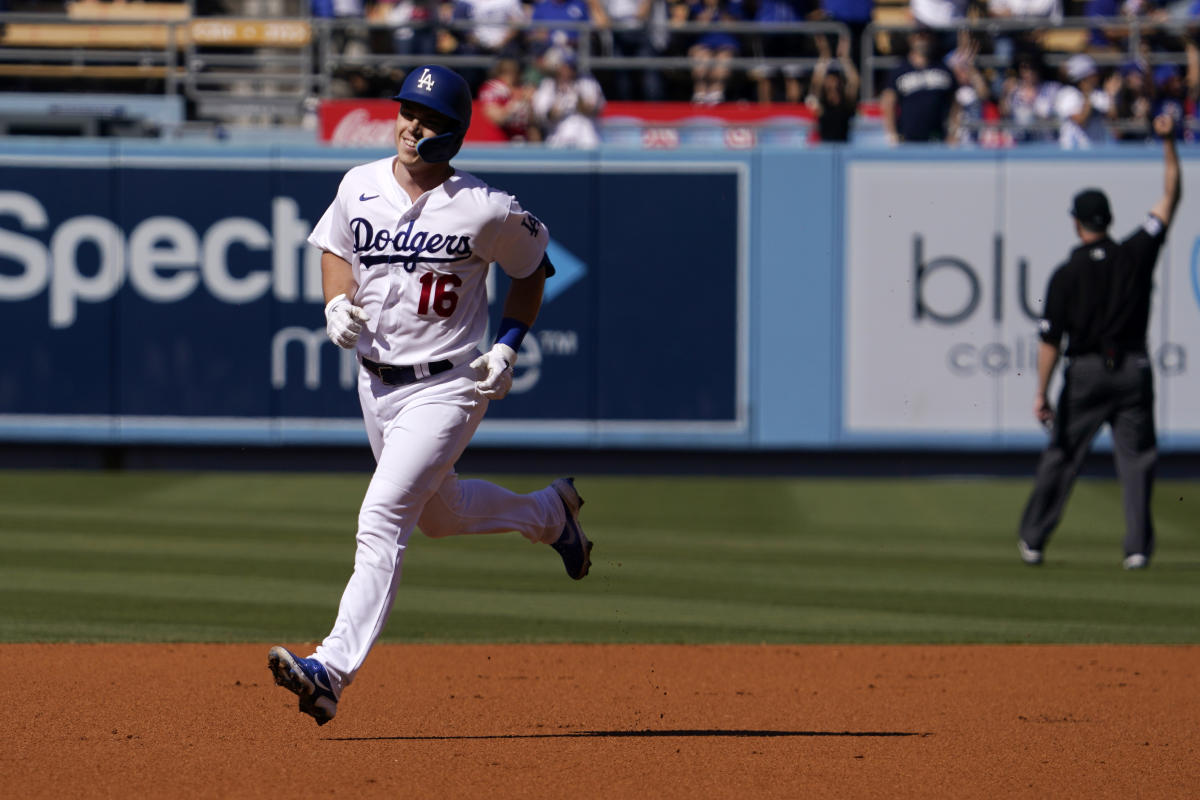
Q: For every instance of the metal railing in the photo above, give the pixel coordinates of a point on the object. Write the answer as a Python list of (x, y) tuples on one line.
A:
[(283, 74), (594, 48), (203, 59), (1135, 31), (1046, 130), (289, 60), (46, 46)]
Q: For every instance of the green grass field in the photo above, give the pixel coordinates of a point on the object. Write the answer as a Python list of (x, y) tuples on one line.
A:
[(167, 556)]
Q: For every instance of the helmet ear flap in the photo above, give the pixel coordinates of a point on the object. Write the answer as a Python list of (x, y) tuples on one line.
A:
[(446, 92), (440, 148)]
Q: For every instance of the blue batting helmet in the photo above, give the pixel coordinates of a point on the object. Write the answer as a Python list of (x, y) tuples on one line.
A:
[(446, 92)]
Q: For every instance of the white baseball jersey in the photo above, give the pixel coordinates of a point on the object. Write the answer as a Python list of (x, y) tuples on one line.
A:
[(421, 268)]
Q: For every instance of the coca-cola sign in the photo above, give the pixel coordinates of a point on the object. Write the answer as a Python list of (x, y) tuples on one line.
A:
[(357, 127), (372, 123), (653, 126)]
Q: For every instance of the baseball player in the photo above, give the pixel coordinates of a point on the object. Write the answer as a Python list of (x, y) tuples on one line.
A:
[(406, 244), (1100, 299)]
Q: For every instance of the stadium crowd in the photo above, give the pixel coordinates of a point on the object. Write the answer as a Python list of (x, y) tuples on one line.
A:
[(954, 83), (951, 76)]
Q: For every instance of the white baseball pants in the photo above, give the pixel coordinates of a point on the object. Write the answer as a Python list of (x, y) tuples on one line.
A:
[(417, 433)]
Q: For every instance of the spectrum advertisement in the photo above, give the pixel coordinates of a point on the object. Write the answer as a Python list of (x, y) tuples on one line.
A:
[(174, 295)]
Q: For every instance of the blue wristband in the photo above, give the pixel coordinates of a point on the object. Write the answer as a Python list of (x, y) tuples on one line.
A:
[(511, 332)]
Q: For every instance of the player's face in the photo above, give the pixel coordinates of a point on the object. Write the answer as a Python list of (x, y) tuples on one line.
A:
[(414, 123)]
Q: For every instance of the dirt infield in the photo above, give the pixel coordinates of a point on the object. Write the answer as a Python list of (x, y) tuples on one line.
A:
[(555, 721)]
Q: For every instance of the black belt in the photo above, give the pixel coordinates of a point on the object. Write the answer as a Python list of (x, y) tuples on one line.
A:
[(402, 376), (1112, 357)]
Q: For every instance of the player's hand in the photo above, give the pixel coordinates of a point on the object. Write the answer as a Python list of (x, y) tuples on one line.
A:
[(494, 371), (344, 322), (1164, 126), (1043, 411)]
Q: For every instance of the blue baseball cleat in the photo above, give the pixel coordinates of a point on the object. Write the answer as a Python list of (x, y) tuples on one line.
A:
[(306, 678), (572, 545)]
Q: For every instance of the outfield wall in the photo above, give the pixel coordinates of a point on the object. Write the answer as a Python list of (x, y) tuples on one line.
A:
[(766, 299)]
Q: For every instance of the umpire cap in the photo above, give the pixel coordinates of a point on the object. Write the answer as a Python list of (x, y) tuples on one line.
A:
[(1090, 207), (446, 92)]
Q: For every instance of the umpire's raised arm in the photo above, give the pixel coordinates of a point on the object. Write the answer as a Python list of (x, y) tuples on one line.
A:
[(1164, 209)]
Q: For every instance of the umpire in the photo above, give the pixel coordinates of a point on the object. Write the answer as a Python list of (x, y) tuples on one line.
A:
[(1100, 299)]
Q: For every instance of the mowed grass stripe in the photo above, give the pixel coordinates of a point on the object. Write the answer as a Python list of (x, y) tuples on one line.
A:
[(174, 520), (773, 583), (46, 616), (692, 620), (799, 610), (677, 560), (71, 545), (646, 544), (778, 580), (438, 626)]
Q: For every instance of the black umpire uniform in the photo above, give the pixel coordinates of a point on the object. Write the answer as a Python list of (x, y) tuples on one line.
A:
[(1100, 300)]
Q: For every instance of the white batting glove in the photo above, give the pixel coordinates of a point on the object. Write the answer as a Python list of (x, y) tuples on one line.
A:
[(494, 371), (344, 322)]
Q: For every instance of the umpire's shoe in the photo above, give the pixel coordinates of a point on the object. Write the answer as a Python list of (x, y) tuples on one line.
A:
[(306, 678), (1028, 554), (572, 545)]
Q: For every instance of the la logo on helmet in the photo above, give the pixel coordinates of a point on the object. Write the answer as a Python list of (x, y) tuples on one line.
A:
[(426, 81)]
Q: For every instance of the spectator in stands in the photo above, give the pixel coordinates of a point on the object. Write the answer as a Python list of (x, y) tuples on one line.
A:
[(854, 14), (447, 40), (780, 45), (350, 36), (412, 24), (1007, 43), (940, 16), (349, 81), (1082, 106), (567, 104), (711, 50), (334, 9), (1101, 39), (1132, 103), (833, 91), (349, 39), (638, 31), (1027, 100), (1050, 10), (972, 94), (1116, 39), (494, 28), (508, 102), (918, 99), (1170, 96), (572, 11)]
